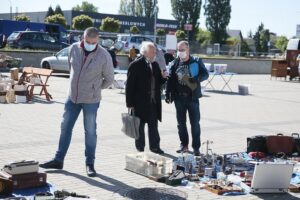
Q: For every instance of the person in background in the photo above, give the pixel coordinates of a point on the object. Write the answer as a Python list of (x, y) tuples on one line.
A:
[(169, 57), (183, 87), (91, 70), (144, 80), (132, 54), (160, 59), (113, 53)]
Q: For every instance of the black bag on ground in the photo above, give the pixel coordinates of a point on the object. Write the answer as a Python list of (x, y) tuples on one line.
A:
[(296, 137), (256, 144)]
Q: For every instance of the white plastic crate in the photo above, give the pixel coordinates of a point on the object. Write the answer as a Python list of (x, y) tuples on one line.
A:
[(244, 89), (21, 99), (148, 164)]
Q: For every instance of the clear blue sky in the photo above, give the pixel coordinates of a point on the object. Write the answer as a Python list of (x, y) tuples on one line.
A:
[(280, 16)]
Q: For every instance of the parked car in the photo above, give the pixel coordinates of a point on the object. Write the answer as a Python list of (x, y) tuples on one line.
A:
[(34, 40), (133, 40), (57, 62)]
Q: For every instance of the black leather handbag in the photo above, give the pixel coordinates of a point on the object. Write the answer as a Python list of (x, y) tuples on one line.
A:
[(256, 144)]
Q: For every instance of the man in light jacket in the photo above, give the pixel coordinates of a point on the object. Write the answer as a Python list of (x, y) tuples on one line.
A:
[(91, 70)]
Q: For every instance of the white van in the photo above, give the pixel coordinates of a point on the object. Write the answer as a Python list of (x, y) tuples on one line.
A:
[(130, 40)]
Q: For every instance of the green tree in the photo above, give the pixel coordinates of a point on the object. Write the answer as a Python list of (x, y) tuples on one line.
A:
[(203, 37), (134, 30), (85, 7), (148, 7), (232, 41), (110, 25), (127, 8), (265, 39), (82, 22), (245, 48), (187, 12), (138, 8), (281, 43), (250, 35), (256, 38), (58, 10), (180, 34), (50, 12), (22, 18), (56, 19), (217, 19), (261, 38), (161, 32)]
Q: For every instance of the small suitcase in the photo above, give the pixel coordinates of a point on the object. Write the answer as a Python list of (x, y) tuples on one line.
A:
[(280, 144), (22, 167), (6, 186), (22, 181), (256, 144), (296, 137)]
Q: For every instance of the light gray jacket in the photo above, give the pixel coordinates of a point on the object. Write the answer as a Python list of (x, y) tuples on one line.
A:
[(89, 74)]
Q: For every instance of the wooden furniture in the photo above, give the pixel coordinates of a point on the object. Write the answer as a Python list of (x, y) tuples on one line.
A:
[(279, 69), (36, 77)]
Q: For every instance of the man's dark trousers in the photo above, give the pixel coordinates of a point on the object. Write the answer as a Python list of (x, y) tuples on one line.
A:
[(184, 104), (153, 134)]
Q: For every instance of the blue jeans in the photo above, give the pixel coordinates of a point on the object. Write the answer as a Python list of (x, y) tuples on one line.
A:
[(70, 116), (184, 104)]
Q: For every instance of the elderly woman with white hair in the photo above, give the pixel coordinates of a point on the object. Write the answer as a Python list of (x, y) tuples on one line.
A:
[(144, 80)]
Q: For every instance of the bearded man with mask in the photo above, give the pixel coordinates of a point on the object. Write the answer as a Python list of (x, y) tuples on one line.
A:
[(91, 70), (143, 97), (183, 87)]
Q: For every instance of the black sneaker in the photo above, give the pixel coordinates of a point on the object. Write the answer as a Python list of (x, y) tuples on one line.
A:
[(52, 164), (90, 171), (196, 152), (183, 149), (157, 151)]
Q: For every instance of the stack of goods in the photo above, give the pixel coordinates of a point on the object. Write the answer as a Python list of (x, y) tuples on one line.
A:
[(7, 94), (21, 175), (21, 93), (2, 92)]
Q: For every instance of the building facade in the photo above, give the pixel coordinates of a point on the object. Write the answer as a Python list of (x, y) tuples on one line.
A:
[(145, 25)]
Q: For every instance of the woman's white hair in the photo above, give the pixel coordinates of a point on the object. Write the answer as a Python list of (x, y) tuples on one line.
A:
[(145, 46)]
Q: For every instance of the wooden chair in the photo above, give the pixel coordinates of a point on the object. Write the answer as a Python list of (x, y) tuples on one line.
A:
[(42, 75)]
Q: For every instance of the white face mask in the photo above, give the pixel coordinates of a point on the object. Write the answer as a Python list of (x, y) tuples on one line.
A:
[(182, 54), (89, 47)]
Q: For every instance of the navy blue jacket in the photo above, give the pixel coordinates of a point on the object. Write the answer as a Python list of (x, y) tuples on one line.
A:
[(197, 71)]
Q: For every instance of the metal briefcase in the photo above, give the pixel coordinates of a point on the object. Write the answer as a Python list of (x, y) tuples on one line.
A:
[(22, 167)]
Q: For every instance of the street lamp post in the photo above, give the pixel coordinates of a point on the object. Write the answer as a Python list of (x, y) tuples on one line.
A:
[(155, 19), (10, 8)]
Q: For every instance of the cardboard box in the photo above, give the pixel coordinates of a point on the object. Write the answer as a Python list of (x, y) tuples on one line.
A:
[(14, 74)]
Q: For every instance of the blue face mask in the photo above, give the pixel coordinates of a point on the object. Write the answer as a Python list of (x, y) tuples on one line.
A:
[(89, 47)]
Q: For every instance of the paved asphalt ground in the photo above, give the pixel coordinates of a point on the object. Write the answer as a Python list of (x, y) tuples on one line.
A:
[(31, 131)]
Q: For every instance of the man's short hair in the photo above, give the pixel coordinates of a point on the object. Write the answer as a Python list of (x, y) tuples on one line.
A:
[(91, 32), (186, 43), (145, 46)]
